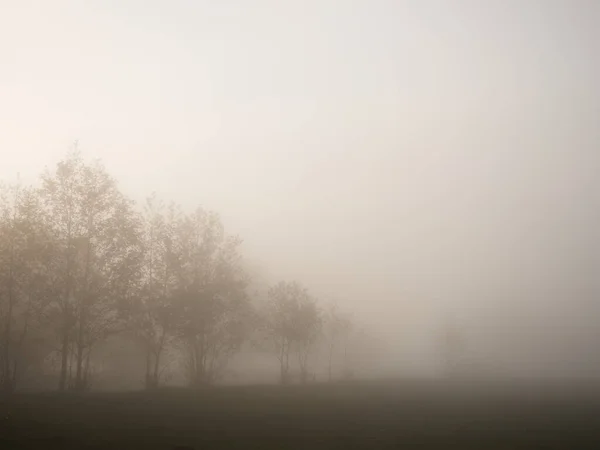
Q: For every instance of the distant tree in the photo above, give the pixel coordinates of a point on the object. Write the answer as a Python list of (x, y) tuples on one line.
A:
[(292, 319), (308, 328), (347, 327), (334, 324)]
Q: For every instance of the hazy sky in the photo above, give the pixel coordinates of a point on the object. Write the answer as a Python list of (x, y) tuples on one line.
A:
[(397, 155)]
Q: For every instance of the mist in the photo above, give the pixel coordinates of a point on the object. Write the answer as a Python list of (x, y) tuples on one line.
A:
[(316, 224), (418, 162)]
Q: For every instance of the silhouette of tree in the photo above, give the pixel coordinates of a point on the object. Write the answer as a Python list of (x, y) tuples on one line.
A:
[(292, 318), (153, 318), (338, 327), (25, 264), (80, 263), (212, 305), (97, 232)]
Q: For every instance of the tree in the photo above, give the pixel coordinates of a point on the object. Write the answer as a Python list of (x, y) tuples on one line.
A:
[(26, 259), (212, 304), (154, 318), (346, 328), (339, 327), (308, 327), (292, 318), (97, 233)]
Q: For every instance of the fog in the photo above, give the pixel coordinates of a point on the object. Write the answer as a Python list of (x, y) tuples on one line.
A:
[(420, 163)]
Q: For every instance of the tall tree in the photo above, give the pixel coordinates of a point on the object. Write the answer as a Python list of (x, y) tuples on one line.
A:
[(154, 320), (26, 259), (98, 237), (213, 306)]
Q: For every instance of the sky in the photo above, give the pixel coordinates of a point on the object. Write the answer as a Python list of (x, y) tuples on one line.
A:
[(412, 160)]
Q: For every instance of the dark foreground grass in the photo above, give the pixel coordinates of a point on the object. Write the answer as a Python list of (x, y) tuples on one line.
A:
[(383, 415)]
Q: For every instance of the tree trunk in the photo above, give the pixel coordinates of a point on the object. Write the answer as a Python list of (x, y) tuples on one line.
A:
[(198, 375), (286, 366), (9, 315), (155, 374), (87, 382), (7, 337), (79, 382), (17, 357), (330, 358), (70, 372), (64, 360), (8, 327), (148, 366), (282, 364), (13, 382), (83, 304), (201, 375), (62, 385), (157, 354), (303, 362)]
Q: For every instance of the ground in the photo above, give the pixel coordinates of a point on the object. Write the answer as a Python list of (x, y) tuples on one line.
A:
[(359, 415)]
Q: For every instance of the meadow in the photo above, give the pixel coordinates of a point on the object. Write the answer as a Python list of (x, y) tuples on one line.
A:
[(359, 415)]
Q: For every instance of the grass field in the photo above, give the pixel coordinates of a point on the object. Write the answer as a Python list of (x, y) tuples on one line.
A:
[(382, 415)]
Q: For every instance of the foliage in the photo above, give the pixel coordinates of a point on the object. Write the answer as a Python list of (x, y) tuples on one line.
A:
[(81, 263)]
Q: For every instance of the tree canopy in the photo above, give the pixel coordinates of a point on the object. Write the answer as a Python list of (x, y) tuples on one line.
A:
[(80, 263)]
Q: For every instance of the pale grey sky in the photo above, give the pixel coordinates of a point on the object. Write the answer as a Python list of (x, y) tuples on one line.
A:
[(395, 154)]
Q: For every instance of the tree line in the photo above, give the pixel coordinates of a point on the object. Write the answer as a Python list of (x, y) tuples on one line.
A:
[(81, 262)]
